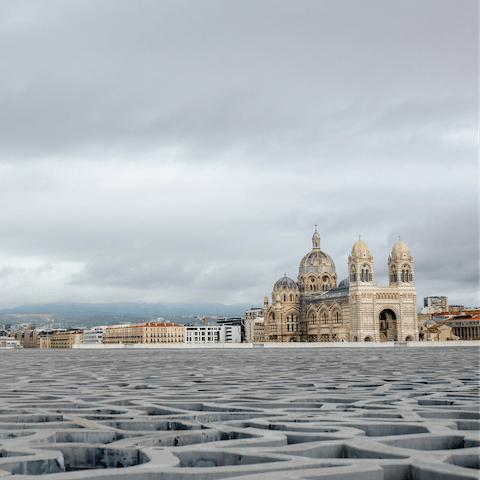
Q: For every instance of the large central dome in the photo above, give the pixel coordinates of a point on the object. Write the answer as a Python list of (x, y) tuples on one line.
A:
[(317, 261), (316, 272)]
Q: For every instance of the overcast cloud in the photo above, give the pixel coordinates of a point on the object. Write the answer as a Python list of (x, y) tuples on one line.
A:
[(183, 150)]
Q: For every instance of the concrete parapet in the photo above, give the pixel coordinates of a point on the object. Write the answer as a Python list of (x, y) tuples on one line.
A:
[(290, 345)]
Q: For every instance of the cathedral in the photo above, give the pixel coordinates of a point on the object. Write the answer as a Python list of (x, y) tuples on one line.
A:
[(316, 308)]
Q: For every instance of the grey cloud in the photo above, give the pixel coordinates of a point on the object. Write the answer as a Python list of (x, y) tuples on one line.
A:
[(163, 149), (219, 75), (8, 271)]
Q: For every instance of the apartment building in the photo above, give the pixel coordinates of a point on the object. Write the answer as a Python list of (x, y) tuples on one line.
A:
[(66, 339), (205, 334), (198, 334), (149, 332)]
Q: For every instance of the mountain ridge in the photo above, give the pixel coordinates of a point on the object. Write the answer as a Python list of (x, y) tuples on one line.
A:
[(133, 308)]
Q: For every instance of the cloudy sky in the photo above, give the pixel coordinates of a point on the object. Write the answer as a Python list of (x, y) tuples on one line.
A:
[(183, 151)]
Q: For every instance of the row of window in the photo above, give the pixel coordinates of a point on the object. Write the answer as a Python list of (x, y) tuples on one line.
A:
[(336, 318), (405, 277), (164, 340), (325, 288), (164, 335), (364, 276)]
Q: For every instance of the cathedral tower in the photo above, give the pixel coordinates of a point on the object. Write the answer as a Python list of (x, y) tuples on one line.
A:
[(362, 293)]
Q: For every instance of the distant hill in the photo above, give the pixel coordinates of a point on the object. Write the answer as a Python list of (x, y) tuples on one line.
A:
[(87, 321), (129, 308)]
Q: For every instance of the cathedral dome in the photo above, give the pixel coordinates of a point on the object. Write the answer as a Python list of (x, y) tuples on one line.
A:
[(317, 261), (345, 283), (400, 248), (285, 282), (360, 246)]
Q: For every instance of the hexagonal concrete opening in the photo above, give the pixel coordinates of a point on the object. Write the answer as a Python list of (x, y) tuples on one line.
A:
[(81, 457), (428, 443), (219, 459)]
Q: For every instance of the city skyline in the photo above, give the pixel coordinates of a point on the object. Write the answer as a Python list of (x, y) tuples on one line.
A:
[(163, 152)]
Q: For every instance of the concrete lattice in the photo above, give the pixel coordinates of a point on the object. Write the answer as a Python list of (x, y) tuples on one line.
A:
[(378, 413)]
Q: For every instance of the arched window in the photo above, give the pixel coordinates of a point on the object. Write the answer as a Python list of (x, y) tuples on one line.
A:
[(407, 277), (291, 298), (366, 275), (393, 275), (284, 298), (324, 317)]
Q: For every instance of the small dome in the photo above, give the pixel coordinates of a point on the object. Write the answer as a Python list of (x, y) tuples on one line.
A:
[(344, 329), (430, 322), (400, 248), (360, 246), (285, 282), (316, 240), (344, 283)]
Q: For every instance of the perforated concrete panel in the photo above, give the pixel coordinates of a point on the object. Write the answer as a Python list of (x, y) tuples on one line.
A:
[(382, 413)]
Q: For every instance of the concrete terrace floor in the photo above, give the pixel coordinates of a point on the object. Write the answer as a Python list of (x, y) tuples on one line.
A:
[(383, 413)]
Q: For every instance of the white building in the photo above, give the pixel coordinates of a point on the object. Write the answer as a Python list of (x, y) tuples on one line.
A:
[(203, 334), (230, 334), (198, 334), (435, 304), (94, 335), (254, 312)]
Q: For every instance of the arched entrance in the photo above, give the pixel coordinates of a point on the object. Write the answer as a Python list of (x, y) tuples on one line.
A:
[(388, 325), (368, 339)]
